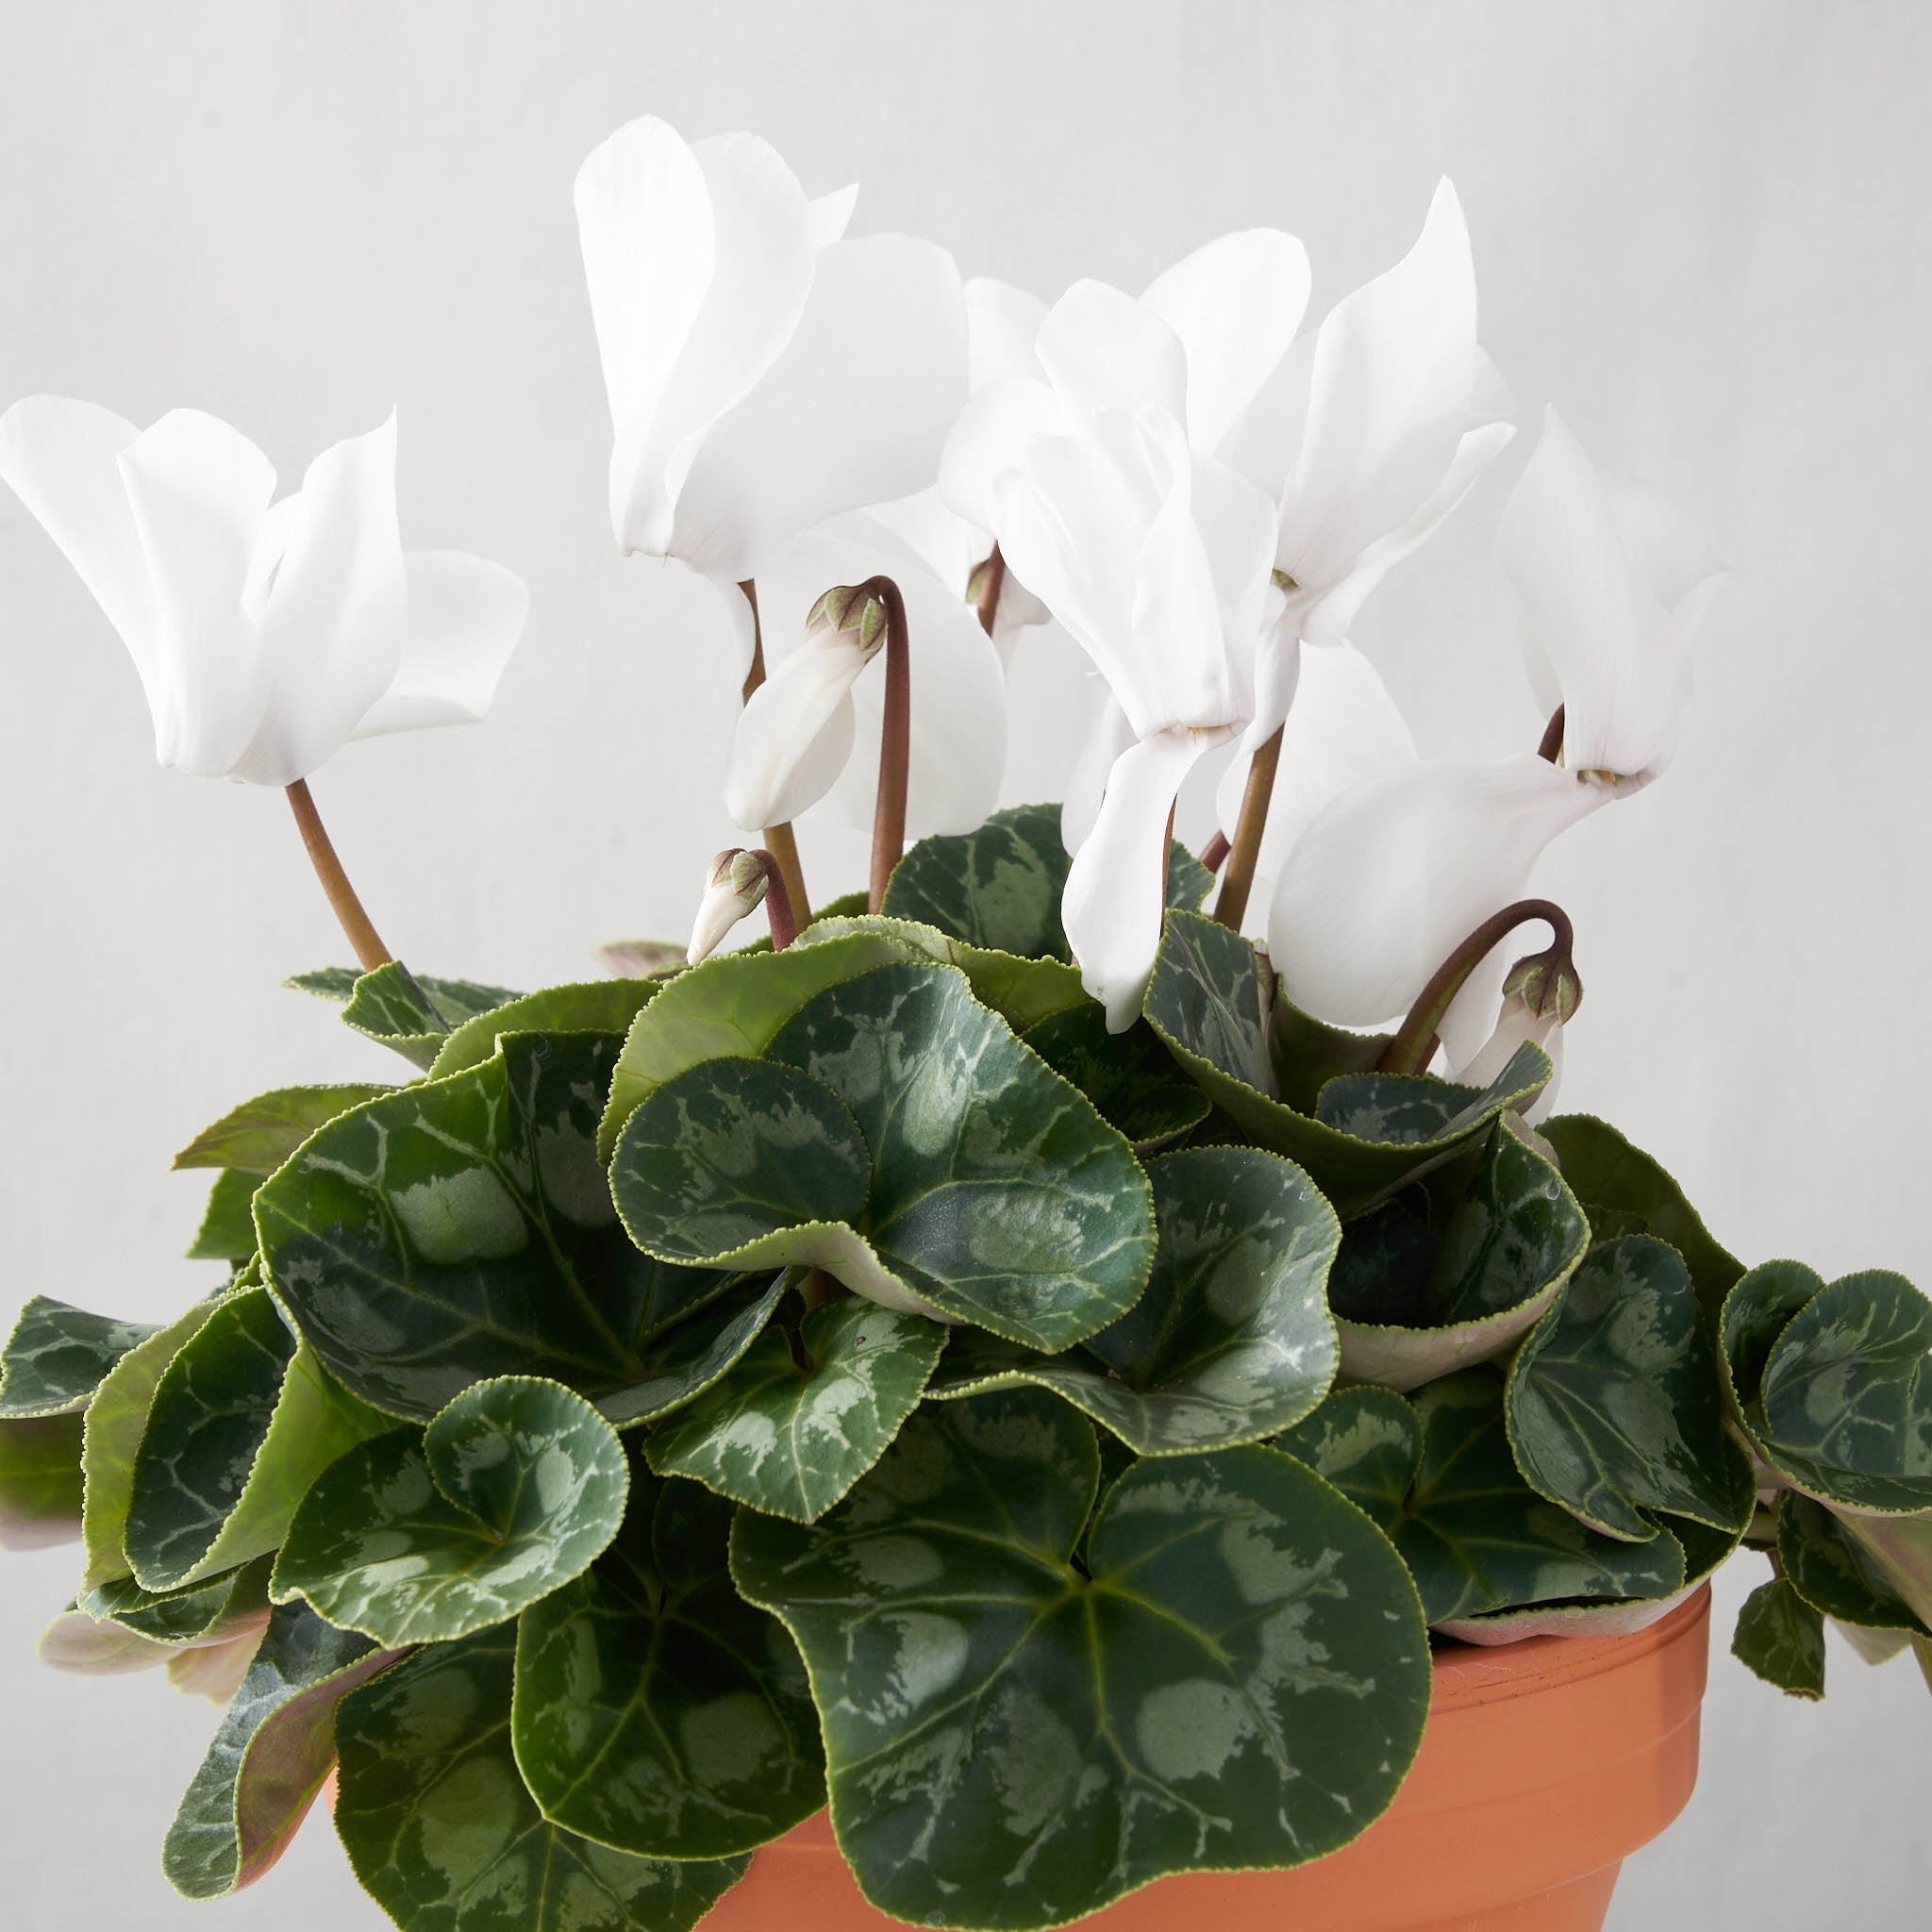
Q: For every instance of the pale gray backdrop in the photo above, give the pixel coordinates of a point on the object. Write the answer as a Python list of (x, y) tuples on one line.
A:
[(1699, 227)]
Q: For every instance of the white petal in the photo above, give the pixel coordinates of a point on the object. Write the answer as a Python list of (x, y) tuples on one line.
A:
[(1516, 1025), (921, 527), (1103, 350), (1277, 677), (855, 409), (1668, 552), (1236, 305), (793, 737), (990, 438), (1108, 738), (1001, 322), (1618, 658), (465, 615), (1266, 443), (1235, 521), (827, 216), (1327, 619), (1113, 905), (1390, 397), (1394, 875), (62, 458), (199, 491), (335, 621)]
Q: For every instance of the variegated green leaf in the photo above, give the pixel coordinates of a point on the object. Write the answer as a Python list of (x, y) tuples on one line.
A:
[(1237, 1675), (87, 1647), (462, 1228), (1477, 1538), (1615, 1409), (1625, 1191), (601, 1006), (111, 1439), (1456, 1272), (443, 1835), (1365, 1441), (1901, 1548), (1209, 1001), (411, 1013), (261, 1134), (1781, 1638), (1833, 1384), (1834, 1572), (1130, 1077), (656, 1711), (215, 1610), (39, 1481), (418, 1538), (1000, 887), (799, 1420), (1232, 1340), (268, 1760), (227, 1223), (58, 1355), (899, 1136), (243, 1421)]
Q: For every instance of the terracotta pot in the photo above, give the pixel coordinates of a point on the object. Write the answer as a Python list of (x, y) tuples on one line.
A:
[(1545, 1763)]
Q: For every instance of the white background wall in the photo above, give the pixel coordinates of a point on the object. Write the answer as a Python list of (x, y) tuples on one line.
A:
[(1699, 227)]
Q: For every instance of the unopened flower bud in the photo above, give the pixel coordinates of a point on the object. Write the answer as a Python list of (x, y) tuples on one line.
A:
[(856, 611), (734, 887), (1548, 984)]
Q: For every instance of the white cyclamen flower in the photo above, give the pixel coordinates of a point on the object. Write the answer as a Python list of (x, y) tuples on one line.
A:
[(1098, 483), (763, 372), (1397, 871), (1518, 1025), (266, 633)]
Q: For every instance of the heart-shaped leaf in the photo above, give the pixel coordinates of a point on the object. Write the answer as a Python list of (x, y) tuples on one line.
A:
[(418, 1538), (270, 1756), (795, 1424), (1833, 1384), (1625, 1191), (215, 1610), (601, 1006), (111, 1439), (58, 1355), (1130, 1077), (1443, 1277), (39, 1481), (1365, 1441), (462, 1228), (1237, 1675), (1832, 1571), (1000, 887), (656, 1711), (899, 1136), (1209, 1001), (1614, 1406), (227, 1223), (261, 1134), (444, 1836), (241, 1422), (1781, 1637), (1232, 1340), (413, 1014)]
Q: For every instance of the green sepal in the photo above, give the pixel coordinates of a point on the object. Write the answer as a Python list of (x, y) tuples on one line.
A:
[(227, 1232), (424, 1536), (39, 1481), (1000, 885), (1130, 1077), (462, 1228), (1210, 999), (599, 1005), (269, 1758), (655, 1711), (411, 1013), (794, 1423), (1780, 1638), (1232, 1340), (1615, 1409), (899, 1136), (1238, 1677), (258, 1135), (1415, 1300), (243, 1421), (58, 1355), (444, 1836)]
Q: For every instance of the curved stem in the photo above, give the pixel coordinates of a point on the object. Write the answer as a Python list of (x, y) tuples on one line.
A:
[(361, 934), (1215, 852), (1414, 1046), (778, 904), (1551, 749), (993, 580), (1236, 882), (895, 742), (779, 839)]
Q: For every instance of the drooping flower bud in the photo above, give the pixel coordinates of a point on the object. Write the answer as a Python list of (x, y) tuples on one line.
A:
[(734, 887), (854, 610)]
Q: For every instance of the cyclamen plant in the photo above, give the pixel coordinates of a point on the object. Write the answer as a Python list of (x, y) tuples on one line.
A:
[(1010, 1359)]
